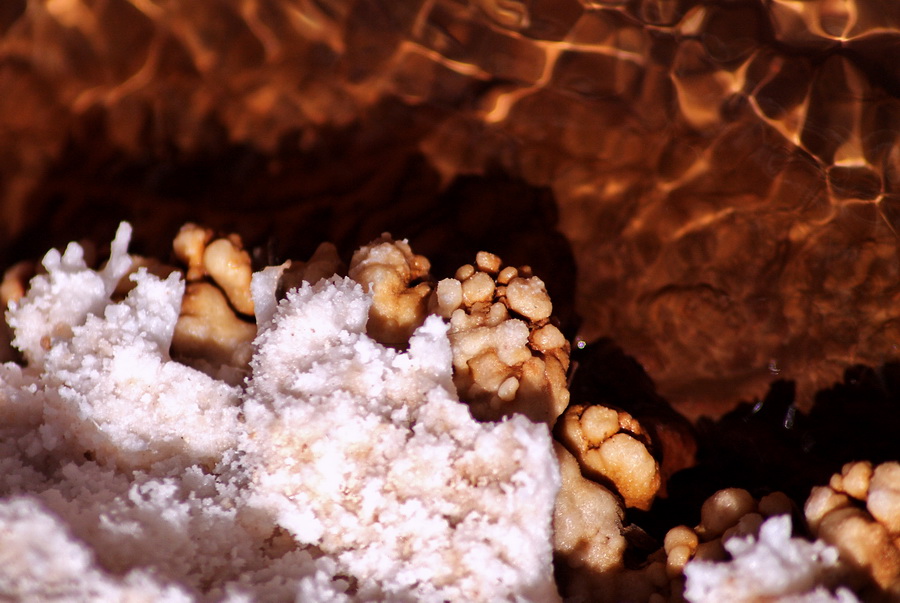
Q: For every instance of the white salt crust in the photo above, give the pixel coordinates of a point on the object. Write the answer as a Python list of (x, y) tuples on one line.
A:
[(770, 567), (342, 471)]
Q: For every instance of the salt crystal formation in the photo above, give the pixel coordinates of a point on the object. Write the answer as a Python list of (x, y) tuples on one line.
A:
[(96, 358), (343, 470), (366, 453), (773, 566), (39, 560)]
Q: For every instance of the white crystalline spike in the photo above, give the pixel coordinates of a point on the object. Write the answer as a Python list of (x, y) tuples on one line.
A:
[(263, 287), (429, 349), (119, 261), (112, 389), (63, 298)]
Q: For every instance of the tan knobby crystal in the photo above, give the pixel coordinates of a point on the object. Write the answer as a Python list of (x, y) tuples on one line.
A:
[(214, 332), (868, 537), (323, 264), (398, 280), (612, 446), (223, 259), (208, 333), (589, 543), (508, 356)]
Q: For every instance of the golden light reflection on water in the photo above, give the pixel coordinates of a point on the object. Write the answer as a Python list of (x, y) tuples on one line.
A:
[(726, 173)]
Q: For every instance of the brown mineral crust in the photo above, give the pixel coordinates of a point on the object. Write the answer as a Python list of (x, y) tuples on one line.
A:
[(229, 266), (189, 246), (708, 202)]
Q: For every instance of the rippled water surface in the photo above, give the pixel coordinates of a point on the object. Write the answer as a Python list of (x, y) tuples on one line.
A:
[(726, 173)]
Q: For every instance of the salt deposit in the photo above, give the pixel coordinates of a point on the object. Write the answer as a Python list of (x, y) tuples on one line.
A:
[(341, 470), (772, 566)]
